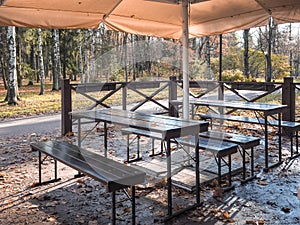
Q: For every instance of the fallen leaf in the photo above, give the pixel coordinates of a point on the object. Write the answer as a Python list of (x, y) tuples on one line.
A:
[(51, 219), (133, 156), (94, 222), (33, 207), (261, 222), (69, 134), (218, 193), (214, 183), (35, 184), (264, 183), (127, 210), (226, 215), (81, 182), (286, 209)]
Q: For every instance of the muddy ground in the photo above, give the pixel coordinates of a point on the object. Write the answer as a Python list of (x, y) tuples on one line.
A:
[(269, 199)]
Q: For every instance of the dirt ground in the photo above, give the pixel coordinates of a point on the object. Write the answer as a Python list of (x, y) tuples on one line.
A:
[(269, 199)]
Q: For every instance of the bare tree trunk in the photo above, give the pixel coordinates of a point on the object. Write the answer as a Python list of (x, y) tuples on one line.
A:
[(87, 56), (208, 72), (246, 53), (56, 57), (19, 58), (134, 75), (12, 90), (269, 53), (80, 59), (125, 55), (3, 73), (41, 63), (93, 56)]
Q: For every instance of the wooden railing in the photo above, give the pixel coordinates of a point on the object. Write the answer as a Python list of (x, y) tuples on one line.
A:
[(198, 89)]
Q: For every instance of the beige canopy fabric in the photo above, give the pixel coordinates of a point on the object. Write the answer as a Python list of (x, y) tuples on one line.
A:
[(161, 18)]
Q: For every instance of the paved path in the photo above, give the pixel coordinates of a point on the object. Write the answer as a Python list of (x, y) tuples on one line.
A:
[(37, 124)]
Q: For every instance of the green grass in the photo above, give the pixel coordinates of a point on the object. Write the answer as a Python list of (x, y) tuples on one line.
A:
[(30, 102)]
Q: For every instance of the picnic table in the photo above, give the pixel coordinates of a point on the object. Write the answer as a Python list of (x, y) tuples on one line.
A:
[(262, 110), (168, 127)]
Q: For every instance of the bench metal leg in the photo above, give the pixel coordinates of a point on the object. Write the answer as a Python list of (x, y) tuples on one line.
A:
[(252, 176), (161, 149), (291, 140), (219, 163), (113, 207), (297, 154), (40, 173), (138, 158), (219, 171), (267, 167), (133, 205), (229, 170)]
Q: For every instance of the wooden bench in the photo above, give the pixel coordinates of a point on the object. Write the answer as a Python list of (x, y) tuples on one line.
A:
[(220, 149), (114, 175), (245, 142), (292, 128), (139, 133)]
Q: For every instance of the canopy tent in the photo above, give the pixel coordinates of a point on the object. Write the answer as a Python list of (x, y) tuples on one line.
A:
[(146, 17), (162, 18)]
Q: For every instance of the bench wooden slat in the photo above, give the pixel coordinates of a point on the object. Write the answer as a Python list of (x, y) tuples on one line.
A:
[(231, 118), (113, 174), (140, 132), (288, 124), (244, 141), (220, 148), (216, 146)]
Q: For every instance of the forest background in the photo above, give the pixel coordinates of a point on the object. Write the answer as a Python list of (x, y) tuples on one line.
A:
[(32, 61)]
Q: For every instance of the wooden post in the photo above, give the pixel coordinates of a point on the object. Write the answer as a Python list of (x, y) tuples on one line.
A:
[(124, 96), (221, 95), (66, 107), (173, 111), (288, 98)]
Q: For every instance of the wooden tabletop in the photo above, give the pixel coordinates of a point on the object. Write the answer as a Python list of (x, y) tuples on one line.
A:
[(256, 106), (169, 127)]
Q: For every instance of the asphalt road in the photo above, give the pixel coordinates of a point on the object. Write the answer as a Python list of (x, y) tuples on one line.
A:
[(37, 124)]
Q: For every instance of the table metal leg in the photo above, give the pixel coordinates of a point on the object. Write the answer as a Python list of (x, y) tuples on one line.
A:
[(244, 163), (266, 144), (40, 167), (105, 139), (267, 167), (169, 177), (133, 205), (197, 170), (279, 136), (79, 133), (169, 180), (113, 207)]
